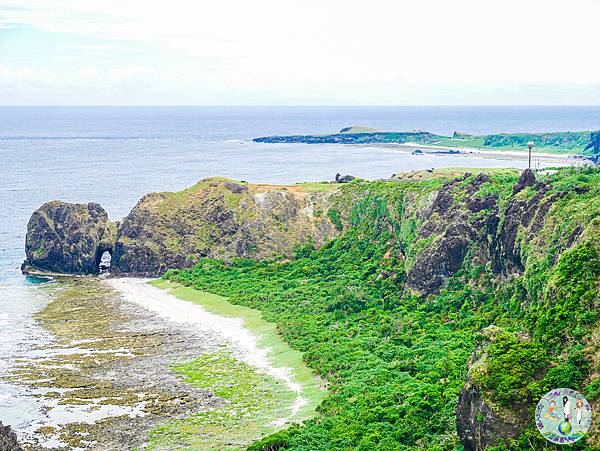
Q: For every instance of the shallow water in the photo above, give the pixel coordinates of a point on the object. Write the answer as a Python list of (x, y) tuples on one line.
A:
[(102, 375)]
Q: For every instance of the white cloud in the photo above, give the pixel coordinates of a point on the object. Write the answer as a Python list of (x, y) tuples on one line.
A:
[(383, 51)]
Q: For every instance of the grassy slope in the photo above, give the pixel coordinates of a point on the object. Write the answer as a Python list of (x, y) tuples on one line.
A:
[(395, 361)]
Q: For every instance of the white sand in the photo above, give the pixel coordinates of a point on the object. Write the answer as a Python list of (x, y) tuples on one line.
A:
[(522, 154), (232, 330)]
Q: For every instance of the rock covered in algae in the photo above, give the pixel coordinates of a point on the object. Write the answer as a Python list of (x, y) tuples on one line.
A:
[(67, 238)]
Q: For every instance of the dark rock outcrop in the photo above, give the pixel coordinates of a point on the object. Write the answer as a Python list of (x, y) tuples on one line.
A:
[(235, 187), (480, 424), (523, 219), (339, 178), (216, 218), (8, 439), (223, 219), (452, 227), (67, 238), (526, 179)]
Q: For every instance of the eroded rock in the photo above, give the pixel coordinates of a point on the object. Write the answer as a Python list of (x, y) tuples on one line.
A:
[(8, 439), (67, 238), (218, 219), (339, 178), (451, 227), (526, 179)]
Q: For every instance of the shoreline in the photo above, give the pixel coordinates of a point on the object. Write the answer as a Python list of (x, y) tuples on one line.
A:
[(103, 377), (562, 159), (494, 152), (254, 340)]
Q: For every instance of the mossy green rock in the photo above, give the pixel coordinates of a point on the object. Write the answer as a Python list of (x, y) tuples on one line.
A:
[(67, 238), (481, 420), (223, 219)]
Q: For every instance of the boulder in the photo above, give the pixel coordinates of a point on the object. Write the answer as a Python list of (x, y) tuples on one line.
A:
[(526, 179), (235, 188), (8, 439), (339, 178), (67, 238)]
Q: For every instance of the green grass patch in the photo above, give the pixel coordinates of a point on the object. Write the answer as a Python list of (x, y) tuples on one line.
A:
[(251, 401)]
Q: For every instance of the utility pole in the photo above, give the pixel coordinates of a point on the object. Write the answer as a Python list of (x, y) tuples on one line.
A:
[(530, 145)]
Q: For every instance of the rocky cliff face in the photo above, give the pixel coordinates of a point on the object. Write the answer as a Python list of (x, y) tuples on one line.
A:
[(436, 229), (67, 238), (594, 144), (216, 218), (220, 219), (452, 226)]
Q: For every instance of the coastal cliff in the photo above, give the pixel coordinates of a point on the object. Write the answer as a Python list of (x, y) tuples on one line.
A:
[(222, 219), (216, 218), (442, 313), (449, 301)]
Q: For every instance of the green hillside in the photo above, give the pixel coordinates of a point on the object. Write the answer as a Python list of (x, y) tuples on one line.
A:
[(391, 310)]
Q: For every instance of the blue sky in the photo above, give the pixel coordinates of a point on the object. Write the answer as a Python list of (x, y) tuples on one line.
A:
[(293, 52)]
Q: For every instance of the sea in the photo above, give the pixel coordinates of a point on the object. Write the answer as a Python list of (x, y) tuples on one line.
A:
[(114, 155)]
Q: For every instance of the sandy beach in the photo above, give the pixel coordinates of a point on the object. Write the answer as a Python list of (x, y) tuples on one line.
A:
[(509, 154)]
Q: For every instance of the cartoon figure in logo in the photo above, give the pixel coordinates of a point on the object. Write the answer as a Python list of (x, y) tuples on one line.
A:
[(567, 408), (550, 411), (566, 423), (579, 410)]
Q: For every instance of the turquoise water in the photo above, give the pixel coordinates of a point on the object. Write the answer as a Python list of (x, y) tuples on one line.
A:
[(114, 155)]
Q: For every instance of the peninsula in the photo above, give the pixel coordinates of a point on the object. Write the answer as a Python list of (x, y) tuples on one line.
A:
[(579, 142)]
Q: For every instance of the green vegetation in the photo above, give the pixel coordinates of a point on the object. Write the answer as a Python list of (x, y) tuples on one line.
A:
[(314, 187), (554, 142), (251, 401), (574, 142), (514, 365), (395, 359), (357, 129)]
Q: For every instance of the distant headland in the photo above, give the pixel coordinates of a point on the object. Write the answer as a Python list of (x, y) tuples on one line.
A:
[(586, 143)]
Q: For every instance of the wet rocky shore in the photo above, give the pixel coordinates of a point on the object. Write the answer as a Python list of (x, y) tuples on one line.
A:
[(105, 380)]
